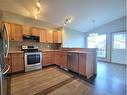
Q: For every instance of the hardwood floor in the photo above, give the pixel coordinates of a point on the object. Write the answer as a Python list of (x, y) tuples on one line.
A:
[(50, 81), (110, 80)]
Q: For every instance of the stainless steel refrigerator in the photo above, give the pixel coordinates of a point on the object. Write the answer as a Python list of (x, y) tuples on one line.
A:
[(4, 67)]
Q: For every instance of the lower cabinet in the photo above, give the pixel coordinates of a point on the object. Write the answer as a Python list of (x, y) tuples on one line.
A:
[(16, 62), (54, 57), (61, 59), (82, 63), (87, 64), (47, 58)]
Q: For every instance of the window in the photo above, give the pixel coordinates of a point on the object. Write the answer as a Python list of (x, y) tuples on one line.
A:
[(99, 42), (119, 41)]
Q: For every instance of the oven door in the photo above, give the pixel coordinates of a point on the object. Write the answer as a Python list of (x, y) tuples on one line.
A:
[(32, 59)]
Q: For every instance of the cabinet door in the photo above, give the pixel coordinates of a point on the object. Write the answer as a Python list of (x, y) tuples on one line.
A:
[(17, 62), (26, 30), (57, 36), (9, 30), (47, 60), (18, 33), (42, 35), (35, 31), (63, 59), (49, 36), (73, 62), (15, 31), (82, 64), (57, 58)]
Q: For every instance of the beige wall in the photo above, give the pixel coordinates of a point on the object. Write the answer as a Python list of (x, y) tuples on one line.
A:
[(73, 39)]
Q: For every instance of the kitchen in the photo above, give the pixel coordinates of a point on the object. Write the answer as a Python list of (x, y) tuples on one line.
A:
[(29, 58), (42, 58)]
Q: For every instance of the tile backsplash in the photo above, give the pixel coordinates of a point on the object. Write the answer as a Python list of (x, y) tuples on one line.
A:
[(16, 46)]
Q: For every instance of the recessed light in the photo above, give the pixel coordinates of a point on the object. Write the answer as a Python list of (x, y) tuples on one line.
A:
[(38, 4)]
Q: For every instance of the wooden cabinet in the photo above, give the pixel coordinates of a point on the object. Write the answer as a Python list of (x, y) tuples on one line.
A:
[(73, 62), (49, 36), (61, 59), (26, 30), (82, 64), (42, 35), (18, 33), (57, 36), (10, 32), (34, 31), (17, 62), (57, 58), (15, 31), (87, 64), (47, 58)]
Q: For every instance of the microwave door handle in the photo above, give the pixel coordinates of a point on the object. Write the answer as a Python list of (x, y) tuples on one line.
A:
[(7, 43)]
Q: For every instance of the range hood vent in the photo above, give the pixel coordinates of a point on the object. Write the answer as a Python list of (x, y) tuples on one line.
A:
[(31, 38)]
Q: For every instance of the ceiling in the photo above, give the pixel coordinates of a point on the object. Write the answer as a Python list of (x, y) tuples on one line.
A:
[(82, 11)]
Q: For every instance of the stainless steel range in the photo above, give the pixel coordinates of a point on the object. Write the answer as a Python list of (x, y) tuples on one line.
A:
[(33, 58)]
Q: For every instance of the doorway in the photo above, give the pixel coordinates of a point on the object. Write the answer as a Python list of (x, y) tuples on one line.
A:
[(118, 47)]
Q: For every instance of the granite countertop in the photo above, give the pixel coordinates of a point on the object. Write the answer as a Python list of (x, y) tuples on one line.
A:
[(79, 52), (15, 52), (49, 50), (54, 51)]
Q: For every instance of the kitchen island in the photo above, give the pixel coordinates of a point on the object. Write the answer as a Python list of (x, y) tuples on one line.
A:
[(83, 63)]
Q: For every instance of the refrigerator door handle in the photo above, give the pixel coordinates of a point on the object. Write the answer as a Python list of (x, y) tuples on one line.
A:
[(6, 69), (7, 44)]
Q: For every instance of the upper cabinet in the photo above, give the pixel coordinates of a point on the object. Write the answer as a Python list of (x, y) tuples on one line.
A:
[(34, 31), (26, 30), (15, 31), (42, 35), (18, 32), (9, 30), (49, 36), (57, 36)]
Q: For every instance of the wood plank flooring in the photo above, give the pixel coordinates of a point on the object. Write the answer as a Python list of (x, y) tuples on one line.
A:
[(50, 81), (111, 79)]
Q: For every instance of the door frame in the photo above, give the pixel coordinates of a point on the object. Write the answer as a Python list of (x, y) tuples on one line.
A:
[(112, 45)]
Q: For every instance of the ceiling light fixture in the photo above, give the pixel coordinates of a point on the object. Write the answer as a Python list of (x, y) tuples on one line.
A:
[(67, 20), (38, 6)]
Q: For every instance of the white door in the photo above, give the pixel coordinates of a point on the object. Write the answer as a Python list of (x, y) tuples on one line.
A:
[(119, 48)]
